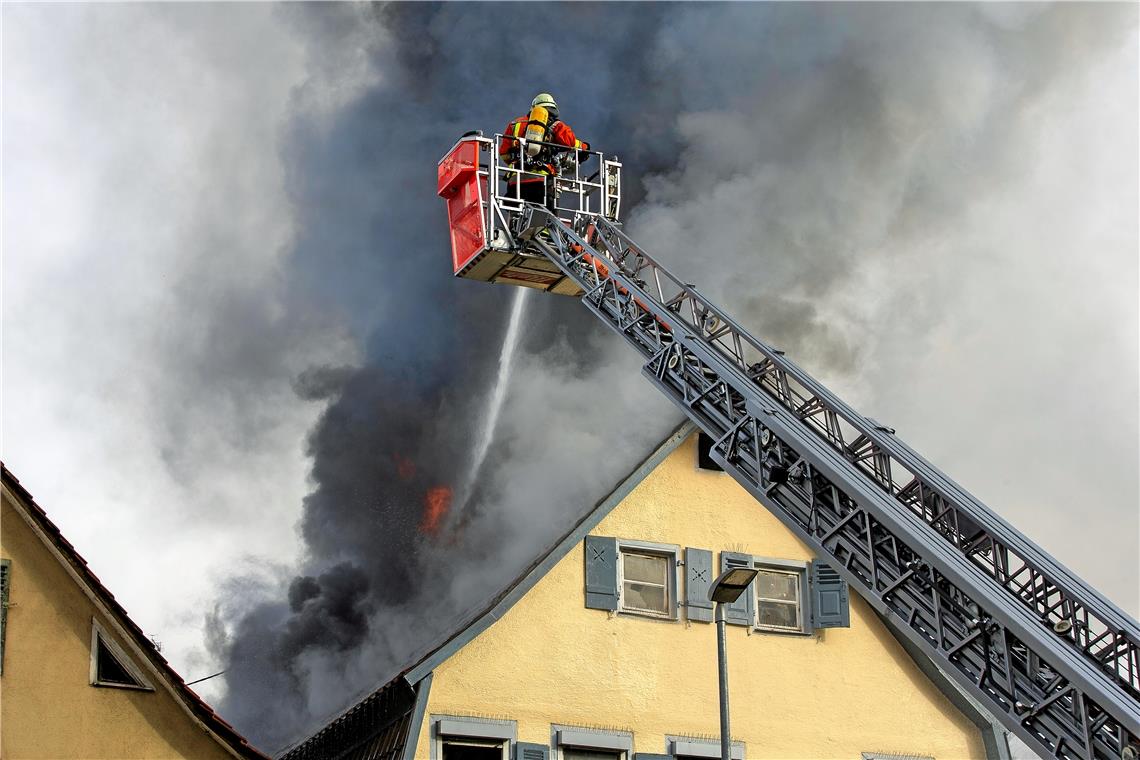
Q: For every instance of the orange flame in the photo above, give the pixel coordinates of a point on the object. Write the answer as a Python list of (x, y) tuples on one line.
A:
[(436, 503)]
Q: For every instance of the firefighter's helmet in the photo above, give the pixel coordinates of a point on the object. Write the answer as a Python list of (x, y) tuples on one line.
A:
[(546, 100)]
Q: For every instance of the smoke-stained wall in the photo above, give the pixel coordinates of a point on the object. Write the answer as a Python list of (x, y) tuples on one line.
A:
[(884, 191)]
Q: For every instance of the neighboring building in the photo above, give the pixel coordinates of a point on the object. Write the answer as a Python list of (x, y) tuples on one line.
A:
[(604, 649), (78, 678)]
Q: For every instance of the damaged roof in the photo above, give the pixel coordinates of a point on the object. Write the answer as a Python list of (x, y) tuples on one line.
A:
[(376, 728)]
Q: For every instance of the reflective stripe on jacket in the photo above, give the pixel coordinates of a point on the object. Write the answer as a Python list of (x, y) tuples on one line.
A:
[(560, 133)]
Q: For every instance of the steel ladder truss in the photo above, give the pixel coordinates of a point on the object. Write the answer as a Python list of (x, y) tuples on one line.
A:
[(1045, 653)]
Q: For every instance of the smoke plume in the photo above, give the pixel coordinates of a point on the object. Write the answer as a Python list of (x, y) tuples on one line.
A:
[(816, 169)]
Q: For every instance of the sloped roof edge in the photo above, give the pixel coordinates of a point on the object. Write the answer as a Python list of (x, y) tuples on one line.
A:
[(186, 696)]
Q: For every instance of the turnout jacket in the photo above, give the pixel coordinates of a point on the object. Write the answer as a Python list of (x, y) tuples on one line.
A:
[(559, 132)]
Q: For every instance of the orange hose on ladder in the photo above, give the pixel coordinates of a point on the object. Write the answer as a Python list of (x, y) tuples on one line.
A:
[(604, 271)]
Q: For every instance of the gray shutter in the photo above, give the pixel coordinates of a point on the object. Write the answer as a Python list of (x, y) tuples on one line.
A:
[(739, 612), (528, 751), (650, 756), (698, 580), (601, 573), (830, 608), (5, 573)]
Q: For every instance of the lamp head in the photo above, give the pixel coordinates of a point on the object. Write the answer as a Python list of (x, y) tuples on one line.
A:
[(730, 584)]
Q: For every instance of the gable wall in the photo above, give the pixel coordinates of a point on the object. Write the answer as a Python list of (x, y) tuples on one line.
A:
[(835, 694), (49, 709)]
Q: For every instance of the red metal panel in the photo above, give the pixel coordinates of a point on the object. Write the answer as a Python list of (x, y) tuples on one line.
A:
[(459, 165), (458, 182)]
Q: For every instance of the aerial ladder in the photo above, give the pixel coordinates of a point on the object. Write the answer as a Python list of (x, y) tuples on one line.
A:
[(1052, 659)]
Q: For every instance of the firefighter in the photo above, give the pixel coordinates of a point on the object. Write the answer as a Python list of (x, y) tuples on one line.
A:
[(540, 125)]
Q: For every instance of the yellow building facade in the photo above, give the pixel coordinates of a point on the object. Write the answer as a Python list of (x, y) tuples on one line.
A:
[(547, 672), (78, 679)]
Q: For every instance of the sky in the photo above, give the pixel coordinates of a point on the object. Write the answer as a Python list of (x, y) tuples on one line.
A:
[(235, 362)]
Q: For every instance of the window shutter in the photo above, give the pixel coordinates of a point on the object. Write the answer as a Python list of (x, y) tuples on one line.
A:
[(5, 574), (830, 608), (739, 612), (601, 573), (650, 756), (698, 580), (528, 751)]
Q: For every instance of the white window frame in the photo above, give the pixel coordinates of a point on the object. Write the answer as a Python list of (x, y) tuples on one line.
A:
[(479, 732), (888, 756), (791, 567), (99, 633), (576, 737), (672, 553)]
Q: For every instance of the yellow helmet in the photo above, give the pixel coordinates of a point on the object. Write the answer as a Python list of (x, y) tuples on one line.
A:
[(546, 100)]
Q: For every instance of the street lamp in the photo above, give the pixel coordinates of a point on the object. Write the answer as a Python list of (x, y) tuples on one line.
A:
[(726, 589)]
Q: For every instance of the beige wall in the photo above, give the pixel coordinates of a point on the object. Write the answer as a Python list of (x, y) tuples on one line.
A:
[(832, 695), (48, 709)]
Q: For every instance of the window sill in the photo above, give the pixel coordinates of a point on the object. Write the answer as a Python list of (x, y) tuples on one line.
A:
[(782, 631), (648, 616), (127, 686)]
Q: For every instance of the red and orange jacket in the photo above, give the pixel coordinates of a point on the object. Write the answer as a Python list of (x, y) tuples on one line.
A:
[(560, 133)]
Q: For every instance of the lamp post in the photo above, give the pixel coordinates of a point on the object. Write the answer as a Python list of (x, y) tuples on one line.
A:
[(726, 589)]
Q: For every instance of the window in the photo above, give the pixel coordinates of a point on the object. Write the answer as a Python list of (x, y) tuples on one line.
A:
[(779, 600), (788, 596), (645, 583), (592, 744), (781, 596), (462, 738), (455, 748), (884, 756), (110, 665), (634, 577), (704, 459), (575, 753), (647, 575)]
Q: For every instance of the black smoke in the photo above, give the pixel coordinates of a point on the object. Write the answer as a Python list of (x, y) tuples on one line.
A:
[(373, 245)]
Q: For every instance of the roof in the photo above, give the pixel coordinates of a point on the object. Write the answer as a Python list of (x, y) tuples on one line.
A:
[(376, 728), (224, 732), (416, 678)]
